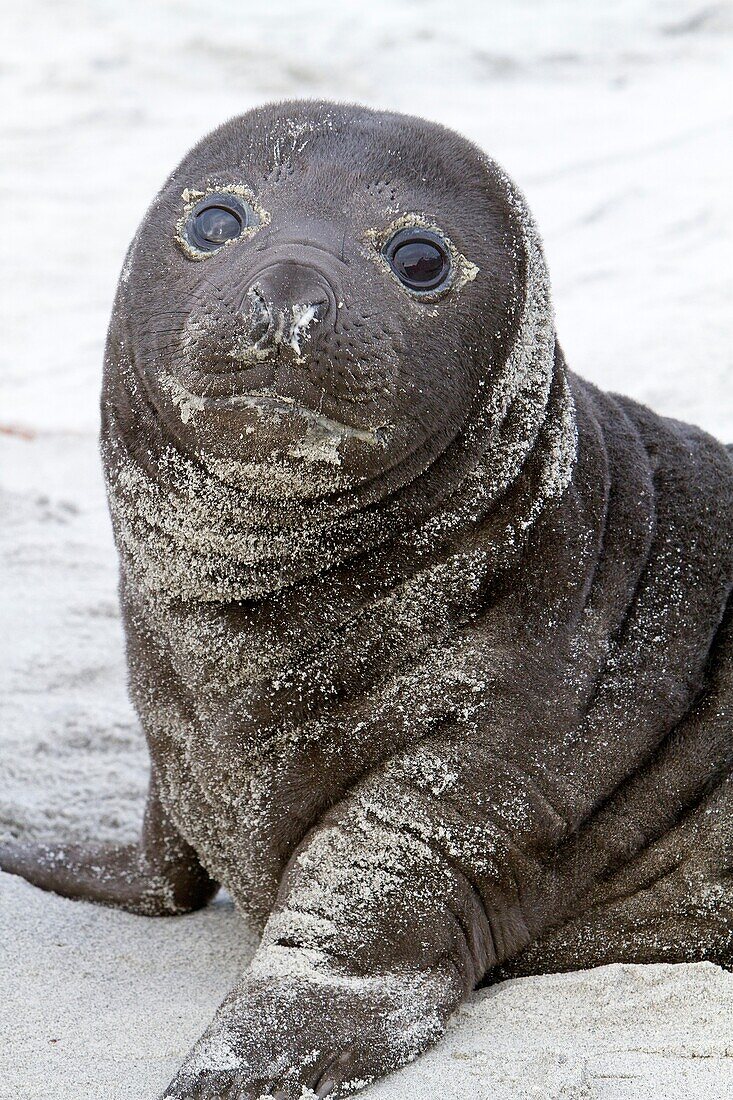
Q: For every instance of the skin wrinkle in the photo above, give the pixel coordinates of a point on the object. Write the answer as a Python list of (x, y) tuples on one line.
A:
[(606, 560), (606, 900), (412, 704), (664, 748), (720, 760)]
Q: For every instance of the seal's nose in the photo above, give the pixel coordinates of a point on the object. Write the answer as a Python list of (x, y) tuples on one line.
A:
[(288, 283), (284, 304)]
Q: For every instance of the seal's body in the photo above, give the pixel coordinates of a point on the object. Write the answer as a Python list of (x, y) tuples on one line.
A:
[(430, 639)]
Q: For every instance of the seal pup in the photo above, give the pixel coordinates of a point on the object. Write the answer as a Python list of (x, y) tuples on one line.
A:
[(430, 639)]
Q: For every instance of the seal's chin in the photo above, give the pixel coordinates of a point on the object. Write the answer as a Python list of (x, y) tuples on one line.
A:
[(273, 437)]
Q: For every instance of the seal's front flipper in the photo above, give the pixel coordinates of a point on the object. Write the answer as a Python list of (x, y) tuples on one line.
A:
[(160, 876), (110, 874), (299, 1023)]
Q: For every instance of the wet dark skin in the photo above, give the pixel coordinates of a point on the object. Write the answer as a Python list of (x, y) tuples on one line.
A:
[(430, 639)]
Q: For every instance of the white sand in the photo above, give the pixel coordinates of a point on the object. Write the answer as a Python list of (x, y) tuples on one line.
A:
[(112, 1001), (617, 123)]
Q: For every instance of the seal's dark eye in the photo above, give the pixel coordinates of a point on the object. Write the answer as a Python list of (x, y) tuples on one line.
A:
[(217, 225), (419, 259), (218, 219)]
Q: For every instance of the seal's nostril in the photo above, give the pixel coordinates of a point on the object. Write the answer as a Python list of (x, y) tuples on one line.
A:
[(261, 320), (280, 324), (302, 316), (259, 330)]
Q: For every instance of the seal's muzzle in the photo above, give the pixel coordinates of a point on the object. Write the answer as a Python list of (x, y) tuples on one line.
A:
[(285, 304)]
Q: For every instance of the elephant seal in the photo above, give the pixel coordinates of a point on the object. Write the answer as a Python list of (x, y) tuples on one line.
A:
[(430, 639)]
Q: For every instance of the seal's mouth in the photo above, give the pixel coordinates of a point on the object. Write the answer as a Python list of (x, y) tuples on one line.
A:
[(275, 406)]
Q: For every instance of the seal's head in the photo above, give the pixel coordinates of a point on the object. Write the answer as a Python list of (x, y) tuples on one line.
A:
[(323, 290)]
